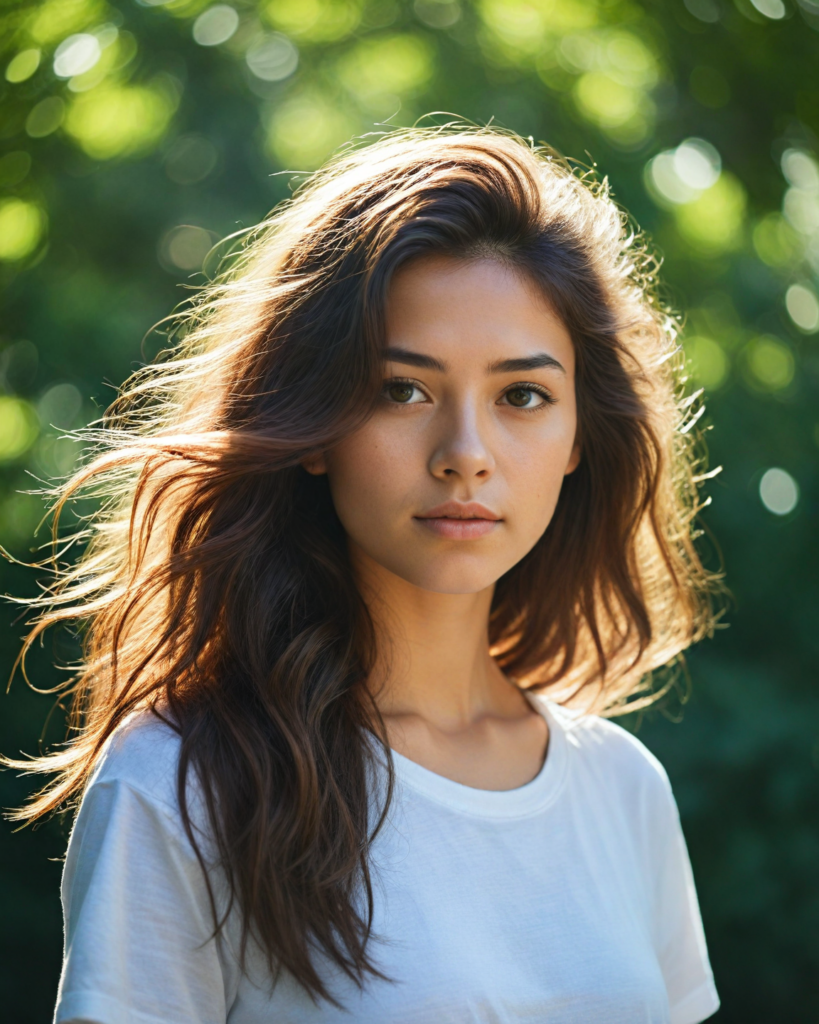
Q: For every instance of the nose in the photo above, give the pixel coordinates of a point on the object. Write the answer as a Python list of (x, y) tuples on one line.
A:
[(461, 450)]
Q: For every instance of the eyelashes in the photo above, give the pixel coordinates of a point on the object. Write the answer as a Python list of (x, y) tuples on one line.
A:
[(401, 391), (519, 396), (525, 396)]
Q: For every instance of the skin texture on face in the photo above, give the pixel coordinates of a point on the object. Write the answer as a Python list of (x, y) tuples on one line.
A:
[(456, 475)]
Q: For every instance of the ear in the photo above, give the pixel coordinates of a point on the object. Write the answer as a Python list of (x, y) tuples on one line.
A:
[(574, 458), (315, 464)]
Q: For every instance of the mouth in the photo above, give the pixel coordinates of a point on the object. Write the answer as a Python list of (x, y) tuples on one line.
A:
[(460, 521)]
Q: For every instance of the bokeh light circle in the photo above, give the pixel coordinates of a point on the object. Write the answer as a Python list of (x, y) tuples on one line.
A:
[(215, 25), (272, 58), (778, 491), (76, 55), (803, 307)]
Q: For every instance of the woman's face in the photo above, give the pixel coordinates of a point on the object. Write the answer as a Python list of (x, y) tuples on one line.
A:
[(456, 475)]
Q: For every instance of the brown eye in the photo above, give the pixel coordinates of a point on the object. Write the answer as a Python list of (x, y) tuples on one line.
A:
[(400, 392), (527, 396), (519, 397)]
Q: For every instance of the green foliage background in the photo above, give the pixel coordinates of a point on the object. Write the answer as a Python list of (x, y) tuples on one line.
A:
[(135, 134)]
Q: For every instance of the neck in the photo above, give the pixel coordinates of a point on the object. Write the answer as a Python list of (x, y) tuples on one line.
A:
[(433, 659)]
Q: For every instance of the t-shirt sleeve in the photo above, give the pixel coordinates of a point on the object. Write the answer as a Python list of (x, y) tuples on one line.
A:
[(677, 924), (139, 945)]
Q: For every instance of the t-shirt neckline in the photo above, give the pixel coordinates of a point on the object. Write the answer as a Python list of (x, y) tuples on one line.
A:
[(530, 798)]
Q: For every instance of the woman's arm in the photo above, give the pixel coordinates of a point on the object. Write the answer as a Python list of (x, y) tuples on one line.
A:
[(139, 945), (678, 932)]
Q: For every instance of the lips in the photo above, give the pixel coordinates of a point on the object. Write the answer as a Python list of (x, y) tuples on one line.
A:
[(460, 520)]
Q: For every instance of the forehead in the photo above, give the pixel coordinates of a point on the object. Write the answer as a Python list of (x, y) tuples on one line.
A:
[(460, 310)]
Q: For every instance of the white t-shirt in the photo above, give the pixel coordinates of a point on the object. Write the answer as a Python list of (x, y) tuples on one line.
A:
[(567, 901)]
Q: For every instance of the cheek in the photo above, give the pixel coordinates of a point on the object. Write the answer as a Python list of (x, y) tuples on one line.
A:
[(534, 487), (534, 466), (368, 473)]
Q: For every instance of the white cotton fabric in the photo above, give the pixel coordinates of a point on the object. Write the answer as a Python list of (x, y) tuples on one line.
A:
[(569, 900)]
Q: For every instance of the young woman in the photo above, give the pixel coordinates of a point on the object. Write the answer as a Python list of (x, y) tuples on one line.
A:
[(404, 511)]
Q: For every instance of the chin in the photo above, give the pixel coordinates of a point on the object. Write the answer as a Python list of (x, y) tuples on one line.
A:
[(449, 577)]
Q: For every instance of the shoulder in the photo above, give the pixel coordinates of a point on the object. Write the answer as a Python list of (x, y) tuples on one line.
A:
[(142, 754), (601, 748)]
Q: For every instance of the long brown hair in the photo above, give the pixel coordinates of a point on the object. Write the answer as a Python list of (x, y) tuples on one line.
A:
[(215, 586)]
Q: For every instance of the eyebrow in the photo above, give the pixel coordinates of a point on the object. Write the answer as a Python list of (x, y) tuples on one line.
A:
[(540, 361), (403, 355)]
